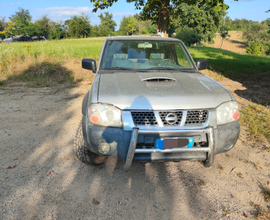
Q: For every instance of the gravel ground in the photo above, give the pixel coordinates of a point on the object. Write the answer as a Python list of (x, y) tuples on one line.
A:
[(41, 178)]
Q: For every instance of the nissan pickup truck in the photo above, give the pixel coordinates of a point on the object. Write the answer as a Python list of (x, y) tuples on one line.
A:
[(149, 102)]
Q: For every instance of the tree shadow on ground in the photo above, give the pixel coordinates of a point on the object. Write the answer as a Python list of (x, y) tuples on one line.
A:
[(45, 73), (241, 44), (41, 178)]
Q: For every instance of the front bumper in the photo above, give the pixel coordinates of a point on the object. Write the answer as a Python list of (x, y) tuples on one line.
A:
[(124, 144)]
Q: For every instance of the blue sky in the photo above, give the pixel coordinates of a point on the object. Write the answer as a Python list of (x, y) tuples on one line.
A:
[(63, 9)]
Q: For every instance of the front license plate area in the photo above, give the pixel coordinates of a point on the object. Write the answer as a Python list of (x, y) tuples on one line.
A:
[(171, 143)]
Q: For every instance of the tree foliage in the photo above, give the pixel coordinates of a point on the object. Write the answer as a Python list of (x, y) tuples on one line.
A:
[(128, 25), (253, 48), (202, 18), (79, 26), (107, 24), (256, 32), (153, 9), (44, 26), (3, 25), (188, 35), (257, 35), (9, 29), (235, 25), (124, 26), (133, 24), (21, 20)]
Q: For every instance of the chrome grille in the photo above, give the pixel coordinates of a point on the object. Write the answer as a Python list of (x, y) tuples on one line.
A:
[(144, 118), (170, 118), (196, 117), (163, 116)]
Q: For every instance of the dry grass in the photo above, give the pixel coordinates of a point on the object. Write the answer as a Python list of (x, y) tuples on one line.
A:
[(256, 119), (46, 63), (45, 72)]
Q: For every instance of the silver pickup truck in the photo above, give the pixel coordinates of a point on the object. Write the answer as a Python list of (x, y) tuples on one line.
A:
[(149, 102)]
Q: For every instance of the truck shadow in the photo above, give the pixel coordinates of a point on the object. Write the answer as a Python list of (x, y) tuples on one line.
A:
[(157, 190)]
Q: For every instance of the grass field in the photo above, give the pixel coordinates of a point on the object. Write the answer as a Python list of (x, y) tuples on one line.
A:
[(46, 63), (15, 57), (52, 62), (232, 65), (60, 50)]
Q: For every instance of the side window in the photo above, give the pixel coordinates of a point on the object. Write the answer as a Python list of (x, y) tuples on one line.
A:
[(182, 57)]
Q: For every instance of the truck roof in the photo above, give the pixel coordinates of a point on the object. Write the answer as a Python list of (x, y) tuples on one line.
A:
[(149, 38)]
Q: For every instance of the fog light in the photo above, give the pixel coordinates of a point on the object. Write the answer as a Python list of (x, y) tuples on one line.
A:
[(104, 148)]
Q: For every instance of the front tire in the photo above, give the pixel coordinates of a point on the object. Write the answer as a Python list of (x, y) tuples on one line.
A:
[(83, 153)]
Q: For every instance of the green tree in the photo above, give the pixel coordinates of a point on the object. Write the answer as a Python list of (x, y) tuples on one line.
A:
[(21, 20), (32, 29), (188, 36), (145, 26), (9, 29), (257, 37), (224, 34), (202, 18), (79, 26), (124, 26), (44, 26), (227, 24), (3, 25), (65, 28), (128, 25), (152, 29), (132, 24), (160, 10), (95, 31), (256, 32), (107, 24), (57, 31), (253, 48), (267, 22)]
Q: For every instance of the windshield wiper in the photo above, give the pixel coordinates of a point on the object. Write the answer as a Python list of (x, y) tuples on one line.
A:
[(169, 68), (118, 68), (162, 68)]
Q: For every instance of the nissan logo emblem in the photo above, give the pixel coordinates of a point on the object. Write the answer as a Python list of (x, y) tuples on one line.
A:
[(171, 118)]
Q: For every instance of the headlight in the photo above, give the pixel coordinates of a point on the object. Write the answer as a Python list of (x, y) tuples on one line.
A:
[(227, 112), (105, 115)]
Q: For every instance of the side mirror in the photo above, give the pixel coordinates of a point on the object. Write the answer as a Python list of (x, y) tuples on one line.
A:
[(89, 64), (202, 64)]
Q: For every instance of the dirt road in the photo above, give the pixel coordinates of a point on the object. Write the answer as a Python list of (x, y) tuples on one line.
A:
[(40, 177)]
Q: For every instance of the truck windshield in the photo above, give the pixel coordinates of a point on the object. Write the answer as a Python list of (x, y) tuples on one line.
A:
[(139, 54)]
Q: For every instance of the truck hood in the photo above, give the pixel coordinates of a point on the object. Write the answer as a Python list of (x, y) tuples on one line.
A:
[(161, 90)]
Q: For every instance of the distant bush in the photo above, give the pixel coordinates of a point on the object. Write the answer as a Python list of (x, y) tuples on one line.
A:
[(188, 36), (257, 37), (256, 32), (265, 48), (253, 48)]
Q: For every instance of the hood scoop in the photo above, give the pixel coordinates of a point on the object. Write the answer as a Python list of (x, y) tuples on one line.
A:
[(159, 82), (157, 79)]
